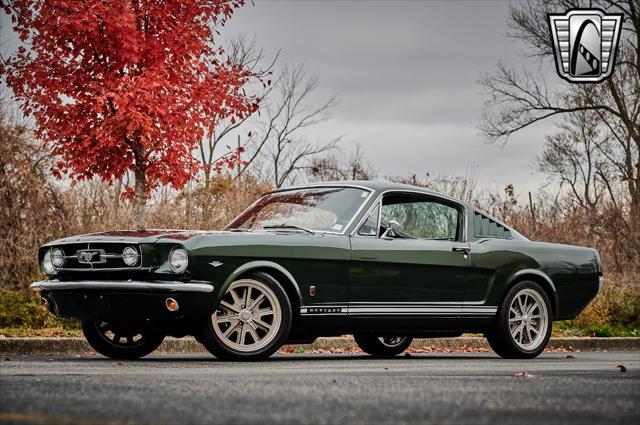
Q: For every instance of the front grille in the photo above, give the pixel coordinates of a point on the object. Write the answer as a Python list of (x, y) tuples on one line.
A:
[(96, 256)]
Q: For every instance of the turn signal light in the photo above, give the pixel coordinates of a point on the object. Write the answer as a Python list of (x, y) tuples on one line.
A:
[(172, 305)]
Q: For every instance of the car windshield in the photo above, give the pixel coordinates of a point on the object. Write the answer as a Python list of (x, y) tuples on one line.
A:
[(319, 209)]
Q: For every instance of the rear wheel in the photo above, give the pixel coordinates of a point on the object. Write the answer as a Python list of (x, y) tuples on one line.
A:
[(382, 346), (252, 321), (523, 324), (120, 341)]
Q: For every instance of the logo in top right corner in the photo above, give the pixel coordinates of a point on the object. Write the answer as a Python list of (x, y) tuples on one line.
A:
[(585, 42)]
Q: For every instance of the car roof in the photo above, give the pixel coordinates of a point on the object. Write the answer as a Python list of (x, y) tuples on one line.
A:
[(381, 186), (376, 186)]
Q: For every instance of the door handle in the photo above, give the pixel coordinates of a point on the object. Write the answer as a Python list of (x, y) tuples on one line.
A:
[(463, 249)]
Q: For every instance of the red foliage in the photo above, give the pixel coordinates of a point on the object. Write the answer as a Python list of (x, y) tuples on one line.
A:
[(115, 85)]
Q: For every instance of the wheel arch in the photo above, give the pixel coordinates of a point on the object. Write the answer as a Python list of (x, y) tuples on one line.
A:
[(278, 272), (541, 279)]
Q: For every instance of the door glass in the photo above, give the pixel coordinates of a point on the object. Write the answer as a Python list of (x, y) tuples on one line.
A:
[(370, 227), (420, 218)]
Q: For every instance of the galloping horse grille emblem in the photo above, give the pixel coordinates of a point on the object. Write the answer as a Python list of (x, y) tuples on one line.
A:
[(585, 42), (90, 256)]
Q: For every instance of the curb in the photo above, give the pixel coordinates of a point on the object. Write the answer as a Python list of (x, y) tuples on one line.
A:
[(78, 346)]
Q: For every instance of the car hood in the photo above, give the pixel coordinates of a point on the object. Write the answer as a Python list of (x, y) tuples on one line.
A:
[(170, 235), (133, 236)]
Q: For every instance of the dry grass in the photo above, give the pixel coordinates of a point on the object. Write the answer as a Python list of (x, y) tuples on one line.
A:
[(33, 210)]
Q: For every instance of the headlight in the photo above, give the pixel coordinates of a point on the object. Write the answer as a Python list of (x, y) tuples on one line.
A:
[(178, 260), (130, 256), (57, 257), (47, 265)]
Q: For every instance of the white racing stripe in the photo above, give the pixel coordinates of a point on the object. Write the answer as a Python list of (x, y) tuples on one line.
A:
[(399, 309)]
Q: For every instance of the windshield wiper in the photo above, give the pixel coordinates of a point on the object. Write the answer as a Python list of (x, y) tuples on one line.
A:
[(288, 226)]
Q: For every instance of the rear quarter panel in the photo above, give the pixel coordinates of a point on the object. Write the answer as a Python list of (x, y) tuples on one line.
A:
[(569, 273)]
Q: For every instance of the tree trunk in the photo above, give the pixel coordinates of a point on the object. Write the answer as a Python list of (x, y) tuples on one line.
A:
[(140, 195), (118, 192)]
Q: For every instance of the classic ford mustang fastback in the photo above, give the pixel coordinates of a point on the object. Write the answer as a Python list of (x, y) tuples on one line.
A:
[(382, 261)]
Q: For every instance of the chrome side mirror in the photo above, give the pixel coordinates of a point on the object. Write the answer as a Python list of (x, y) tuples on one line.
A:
[(393, 229)]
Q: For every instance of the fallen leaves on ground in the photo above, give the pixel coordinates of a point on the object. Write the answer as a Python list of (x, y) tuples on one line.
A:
[(292, 349), (56, 332), (523, 374)]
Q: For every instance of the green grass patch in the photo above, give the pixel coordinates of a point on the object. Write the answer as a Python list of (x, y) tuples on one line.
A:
[(568, 329), (22, 310)]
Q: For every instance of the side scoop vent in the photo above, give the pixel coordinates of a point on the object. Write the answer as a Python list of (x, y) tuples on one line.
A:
[(487, 228)]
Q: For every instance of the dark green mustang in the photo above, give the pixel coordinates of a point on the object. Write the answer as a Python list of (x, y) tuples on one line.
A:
[(382, 261)]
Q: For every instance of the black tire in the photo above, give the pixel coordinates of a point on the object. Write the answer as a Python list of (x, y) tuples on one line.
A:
[(500, 337), (372, 344), (125, 342), (212, 335)]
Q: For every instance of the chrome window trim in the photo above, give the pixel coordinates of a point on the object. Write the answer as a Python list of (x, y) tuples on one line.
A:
[(462, 209), (366, 217), (320, 184)]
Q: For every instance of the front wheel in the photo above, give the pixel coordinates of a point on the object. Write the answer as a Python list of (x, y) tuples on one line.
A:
[(383, 346), (523, 324), (120, 341), (252, 321)]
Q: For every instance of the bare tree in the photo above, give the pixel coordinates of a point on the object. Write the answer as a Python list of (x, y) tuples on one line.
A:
[(32, 210), (245, 53), (353, 166), (288, 111), (462, 187), (610, 161), (578, 155)]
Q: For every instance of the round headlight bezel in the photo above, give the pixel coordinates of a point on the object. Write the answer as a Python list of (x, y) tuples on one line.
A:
[(130, 253), (47, 264), (57, 257), (180, 268)]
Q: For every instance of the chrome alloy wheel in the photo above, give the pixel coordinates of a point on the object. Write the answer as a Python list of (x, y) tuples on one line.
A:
[(528, 319), (249, 316), (392, 341)]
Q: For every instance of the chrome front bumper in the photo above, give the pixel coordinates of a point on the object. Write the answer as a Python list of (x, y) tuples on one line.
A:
[(122, 285), (127, 300)]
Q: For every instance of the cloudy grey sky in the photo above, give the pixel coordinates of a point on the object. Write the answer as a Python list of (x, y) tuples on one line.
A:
[(406, 74)]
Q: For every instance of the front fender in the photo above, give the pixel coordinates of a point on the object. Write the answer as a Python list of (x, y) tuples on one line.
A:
[(261, 265)]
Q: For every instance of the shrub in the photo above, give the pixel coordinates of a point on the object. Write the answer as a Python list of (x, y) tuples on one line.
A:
[(615, 310), (22, 309)]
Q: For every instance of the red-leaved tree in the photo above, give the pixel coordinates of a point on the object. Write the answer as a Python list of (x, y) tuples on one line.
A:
[(125, 85)]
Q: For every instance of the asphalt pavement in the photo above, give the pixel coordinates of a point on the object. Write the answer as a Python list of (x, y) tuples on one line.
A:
[(459, 388)]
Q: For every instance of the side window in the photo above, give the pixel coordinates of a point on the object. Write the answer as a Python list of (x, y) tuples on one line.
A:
[(421, 218), (370, 227)]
